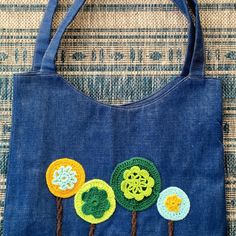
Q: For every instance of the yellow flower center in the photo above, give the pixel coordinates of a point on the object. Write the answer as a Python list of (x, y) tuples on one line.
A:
[(173, 203)]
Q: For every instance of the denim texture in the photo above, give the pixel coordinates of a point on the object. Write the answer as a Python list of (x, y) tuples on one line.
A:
[(179, 128)]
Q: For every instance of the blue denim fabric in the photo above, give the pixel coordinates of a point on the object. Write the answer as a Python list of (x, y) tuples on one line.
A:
[(179, 128)]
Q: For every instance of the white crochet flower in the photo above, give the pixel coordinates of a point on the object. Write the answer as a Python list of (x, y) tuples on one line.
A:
[(65, 177)]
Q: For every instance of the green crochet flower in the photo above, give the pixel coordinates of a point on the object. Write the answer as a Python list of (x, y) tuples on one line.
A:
[(96, 202), (136, 183)]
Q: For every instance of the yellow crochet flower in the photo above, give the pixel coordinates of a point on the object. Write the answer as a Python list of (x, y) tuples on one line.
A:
[(137, 183), (173, 203), (65, 177)]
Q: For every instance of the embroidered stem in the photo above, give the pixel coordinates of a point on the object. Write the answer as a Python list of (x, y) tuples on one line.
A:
[(134, 223), (59, 216), (171, 228), (92, 229)]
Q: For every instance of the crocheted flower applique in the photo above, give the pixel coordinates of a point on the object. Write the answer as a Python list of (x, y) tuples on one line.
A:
[(65, 177), (95, 201), (136, 183), (173, 204)]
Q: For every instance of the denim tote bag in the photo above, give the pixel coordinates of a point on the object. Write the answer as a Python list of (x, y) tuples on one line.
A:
[(78, 166)]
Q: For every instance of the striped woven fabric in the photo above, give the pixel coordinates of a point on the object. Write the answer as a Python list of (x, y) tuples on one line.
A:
[(119, 51)]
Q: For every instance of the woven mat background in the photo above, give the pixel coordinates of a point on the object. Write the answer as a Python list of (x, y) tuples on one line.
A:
[(119, 51)]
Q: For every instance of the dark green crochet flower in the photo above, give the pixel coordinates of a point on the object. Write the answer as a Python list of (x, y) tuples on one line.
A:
[(136, 183), (95, 202)]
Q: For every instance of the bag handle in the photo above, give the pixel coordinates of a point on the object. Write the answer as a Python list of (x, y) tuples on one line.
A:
[(197, 67), (44, 35), (48, 62)]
